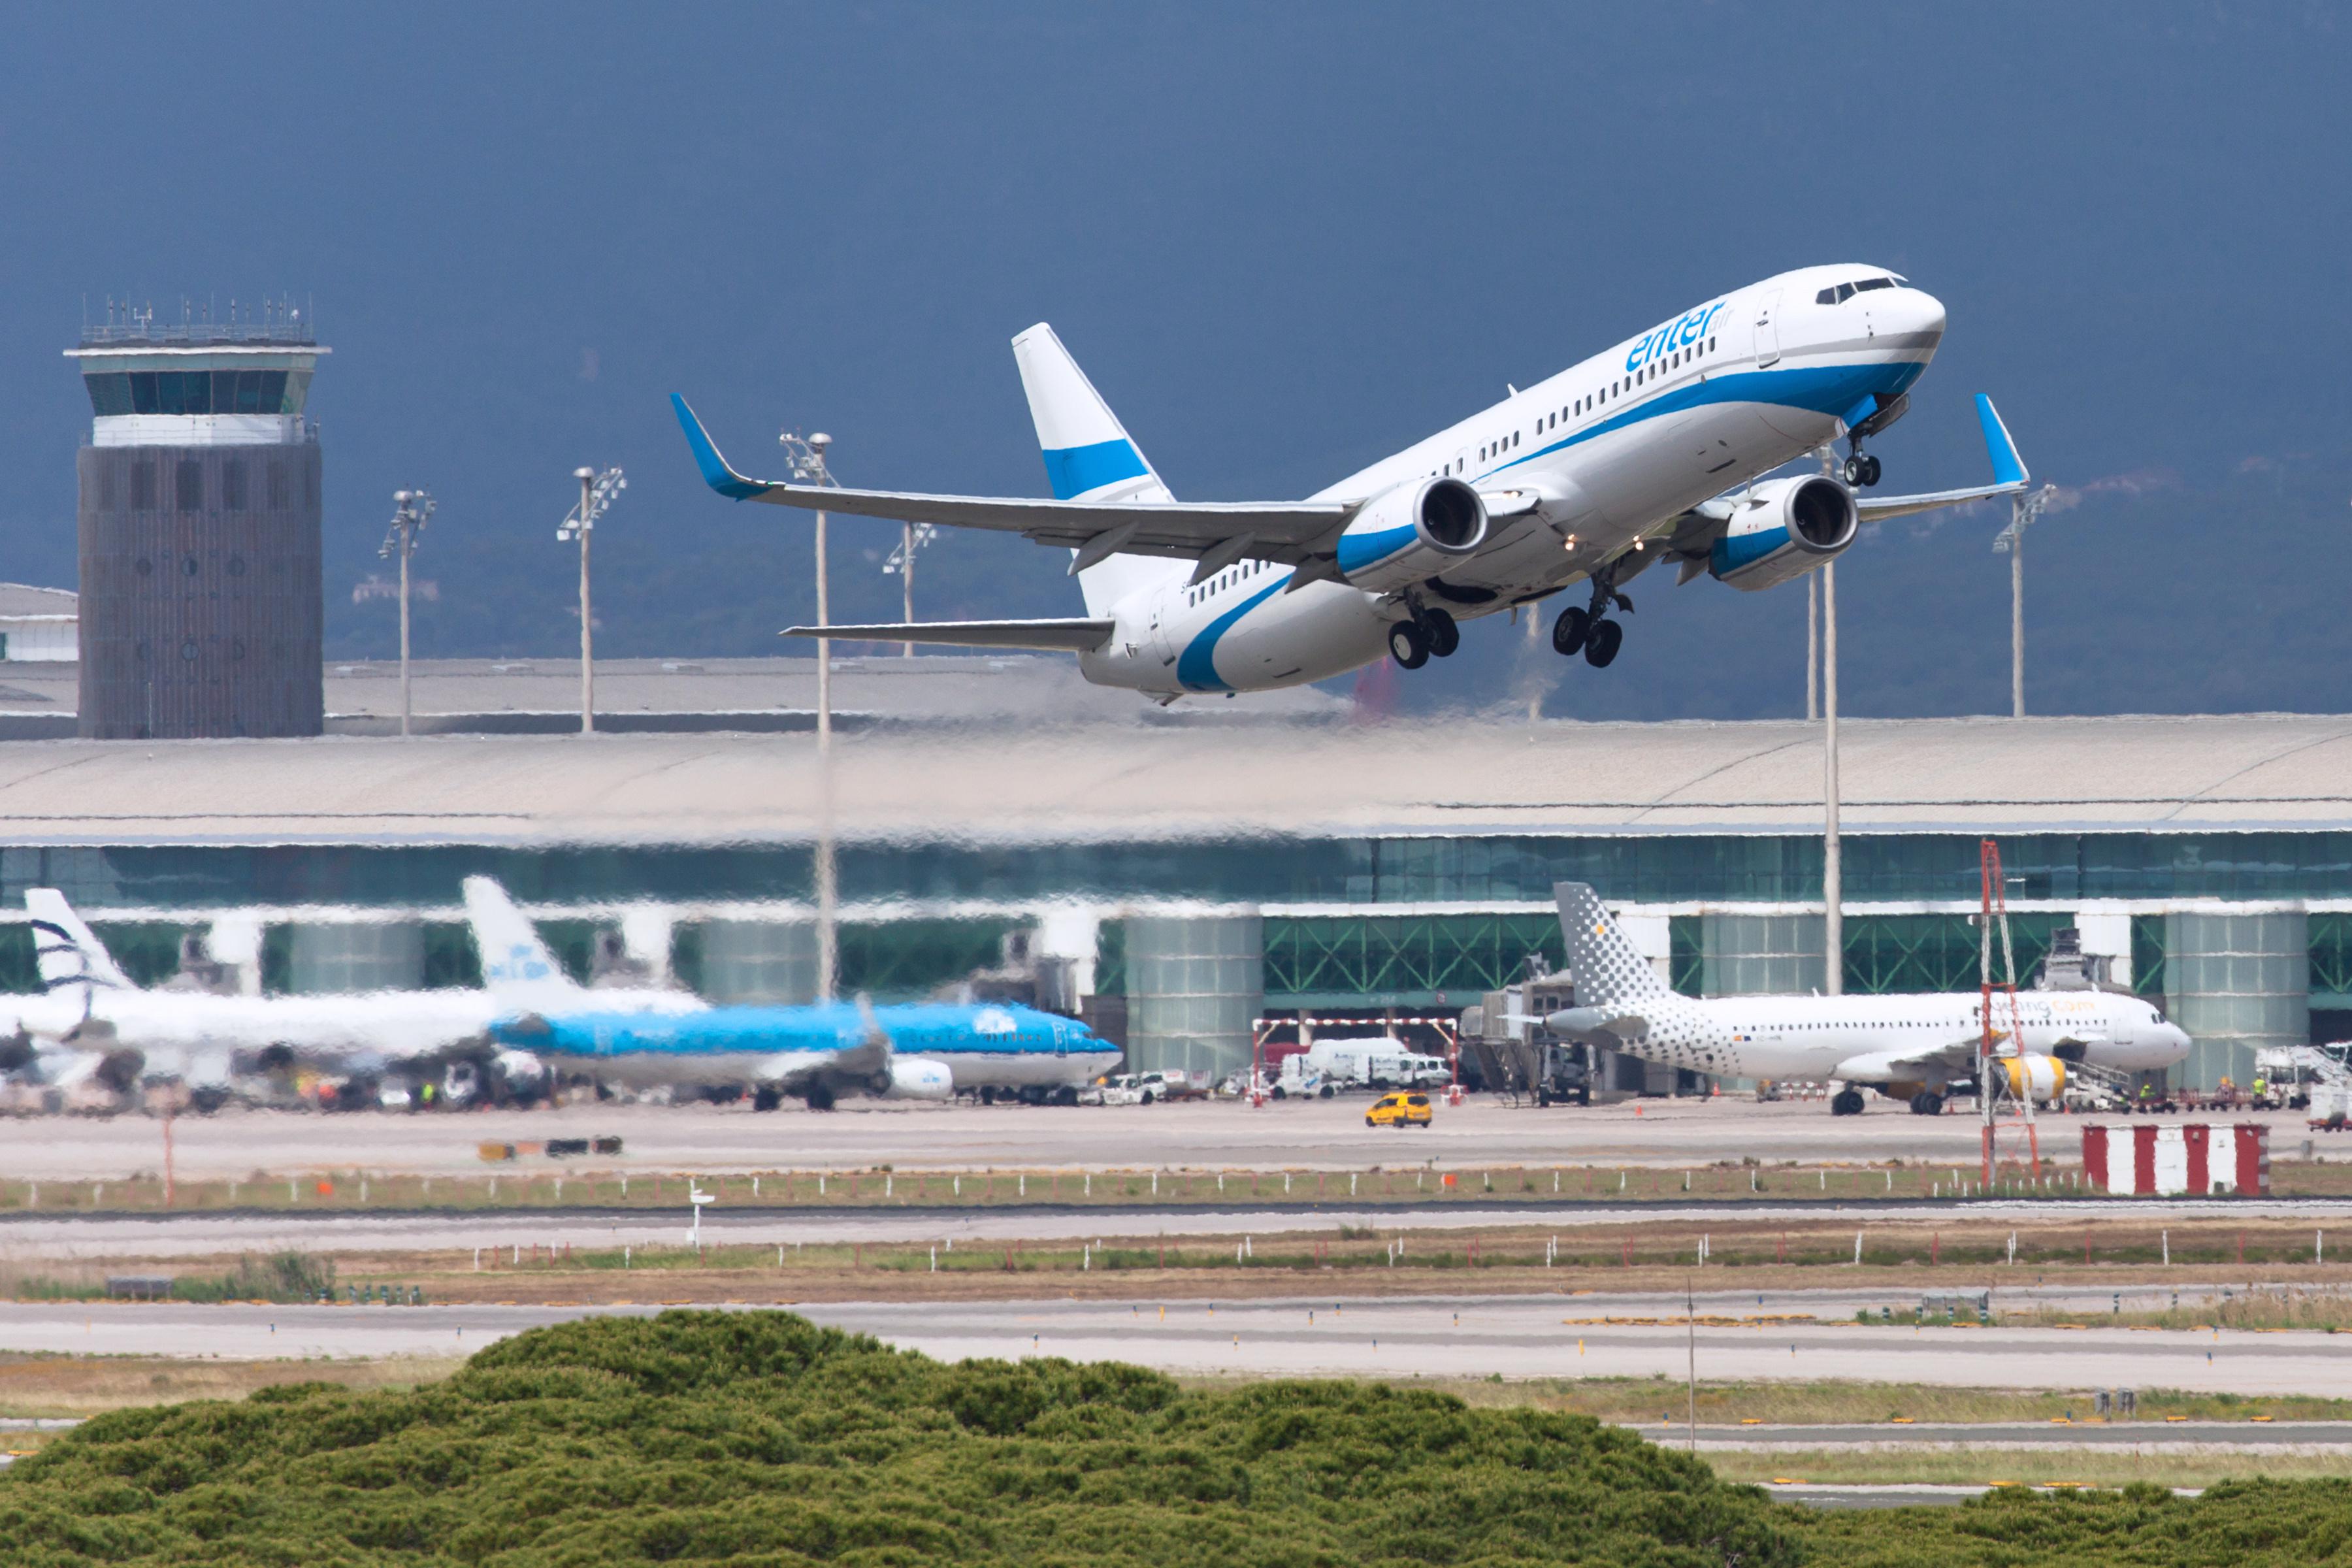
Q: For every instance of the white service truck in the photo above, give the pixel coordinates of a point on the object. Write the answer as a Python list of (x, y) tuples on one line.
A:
[(1373, 1061)]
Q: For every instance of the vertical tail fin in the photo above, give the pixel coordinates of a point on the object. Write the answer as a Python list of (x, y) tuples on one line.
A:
[(64, 949), (516, 965), (1088, 457), (1608, 969)]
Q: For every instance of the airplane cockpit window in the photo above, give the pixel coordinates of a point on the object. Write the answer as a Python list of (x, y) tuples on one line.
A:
[(1844, 292)]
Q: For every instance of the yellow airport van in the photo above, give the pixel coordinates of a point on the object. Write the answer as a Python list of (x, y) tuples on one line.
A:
[(1399, 1110)]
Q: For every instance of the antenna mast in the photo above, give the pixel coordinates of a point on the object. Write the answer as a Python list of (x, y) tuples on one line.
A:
[(2000, 1079)]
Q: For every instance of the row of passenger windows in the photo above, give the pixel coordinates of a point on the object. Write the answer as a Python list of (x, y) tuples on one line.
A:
[(1844, 292), (1586, 405), (116, 392), (1226, 579)]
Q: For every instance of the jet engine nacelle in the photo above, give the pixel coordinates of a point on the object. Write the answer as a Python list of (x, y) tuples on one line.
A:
[(2043, 1078), (524, 1076), (911, 1079), (1411, 533), (1784, 529)]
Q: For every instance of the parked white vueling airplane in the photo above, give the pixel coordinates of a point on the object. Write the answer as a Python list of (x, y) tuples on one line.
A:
[(1912, 1048), (1652, 451)]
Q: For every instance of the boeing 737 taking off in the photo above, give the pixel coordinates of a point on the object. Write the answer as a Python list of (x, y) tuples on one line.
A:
[(1654, 450)]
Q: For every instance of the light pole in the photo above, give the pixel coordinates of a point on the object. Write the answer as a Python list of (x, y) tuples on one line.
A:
[(807, 457), (1812, 650), (912, 537), (2011, 541), (412, 511), (596, 493), (1832, 866)]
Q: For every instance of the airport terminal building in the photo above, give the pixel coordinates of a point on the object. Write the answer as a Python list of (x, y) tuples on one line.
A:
[(1213, 867)]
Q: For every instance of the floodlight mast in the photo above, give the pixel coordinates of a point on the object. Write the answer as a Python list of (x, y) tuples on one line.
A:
[(1833, 848), (412, 511), (807, 457), (912, 537), (596, 494), (2011, 541)]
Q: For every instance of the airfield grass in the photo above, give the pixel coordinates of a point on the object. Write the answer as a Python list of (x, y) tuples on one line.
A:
[(66, 1386), (744, 1439), (531, 1184)]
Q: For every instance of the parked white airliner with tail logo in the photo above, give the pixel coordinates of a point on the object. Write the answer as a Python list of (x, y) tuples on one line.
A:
[(1654, 450), (1919, 1048)]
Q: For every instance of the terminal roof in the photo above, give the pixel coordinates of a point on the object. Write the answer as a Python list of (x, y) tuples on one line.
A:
[(1016, 780)]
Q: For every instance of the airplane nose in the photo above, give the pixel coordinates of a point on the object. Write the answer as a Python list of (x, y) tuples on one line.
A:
[(1924, 313)]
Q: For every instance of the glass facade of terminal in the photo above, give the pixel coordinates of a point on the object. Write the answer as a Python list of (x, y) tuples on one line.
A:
[(1484, 869), (2239, 978)]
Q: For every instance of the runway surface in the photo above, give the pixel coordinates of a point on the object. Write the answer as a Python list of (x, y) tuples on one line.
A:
[(1319, 1135), (1516, 1337)]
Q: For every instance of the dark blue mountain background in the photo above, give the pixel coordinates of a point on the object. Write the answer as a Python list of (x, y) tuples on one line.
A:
[(1282, 240)]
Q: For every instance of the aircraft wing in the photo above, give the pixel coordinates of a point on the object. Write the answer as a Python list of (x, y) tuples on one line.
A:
[(2009, 474), (1956, 1059), (1053, 636), (1693, 534), (1273, 531)]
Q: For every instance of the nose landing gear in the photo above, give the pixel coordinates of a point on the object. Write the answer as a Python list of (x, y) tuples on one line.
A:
[(1589, 631), (1846, 1102)]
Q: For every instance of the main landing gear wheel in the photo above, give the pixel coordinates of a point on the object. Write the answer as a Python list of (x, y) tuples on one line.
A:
[(1602, 646), (1444, 635), (1407, 646), (1568, 631), (1861, 471), (1926, 1103), (1846, 1102), (820, 1098)]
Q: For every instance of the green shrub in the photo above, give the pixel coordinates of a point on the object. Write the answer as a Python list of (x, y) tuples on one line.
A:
[(758, 1439), (280, 1277)]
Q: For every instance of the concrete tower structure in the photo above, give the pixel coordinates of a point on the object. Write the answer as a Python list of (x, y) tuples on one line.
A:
[(199, 528)]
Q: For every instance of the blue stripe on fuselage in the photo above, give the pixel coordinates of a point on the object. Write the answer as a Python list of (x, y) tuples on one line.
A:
[(1829, 389), (1196, 669), (930, 1029), (1074, 471)]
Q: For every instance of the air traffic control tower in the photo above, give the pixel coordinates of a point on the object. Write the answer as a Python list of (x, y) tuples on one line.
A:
[(199, 525)]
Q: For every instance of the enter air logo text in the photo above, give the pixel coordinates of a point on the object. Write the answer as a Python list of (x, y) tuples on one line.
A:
[(1680, 332)]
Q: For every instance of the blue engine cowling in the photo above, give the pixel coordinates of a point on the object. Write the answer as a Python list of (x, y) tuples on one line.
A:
[(1784, 529), (1411, 533)]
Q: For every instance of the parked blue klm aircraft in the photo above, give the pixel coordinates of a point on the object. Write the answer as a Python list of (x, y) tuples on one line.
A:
[(925, 1050)]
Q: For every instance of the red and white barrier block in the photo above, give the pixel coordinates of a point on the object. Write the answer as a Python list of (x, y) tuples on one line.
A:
[(2178, 1159)]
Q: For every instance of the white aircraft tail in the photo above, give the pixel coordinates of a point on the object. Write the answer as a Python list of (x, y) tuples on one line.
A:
[(66, 950), (517, 968), (1088, 457), (1608, 969)]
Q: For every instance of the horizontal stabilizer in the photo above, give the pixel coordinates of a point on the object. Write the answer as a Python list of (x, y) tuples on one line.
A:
[(1051, 637)]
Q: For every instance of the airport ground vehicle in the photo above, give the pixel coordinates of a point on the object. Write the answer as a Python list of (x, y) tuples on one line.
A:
[(1377, 1061), (1403, 1109)]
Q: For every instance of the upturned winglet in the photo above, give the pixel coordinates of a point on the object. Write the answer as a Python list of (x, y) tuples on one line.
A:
[(715, 471)]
